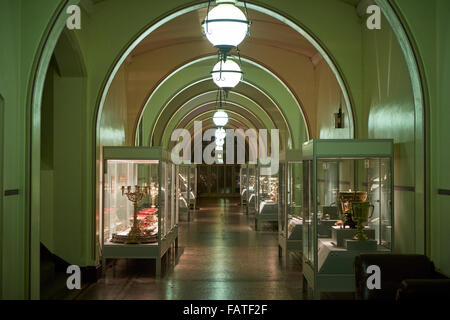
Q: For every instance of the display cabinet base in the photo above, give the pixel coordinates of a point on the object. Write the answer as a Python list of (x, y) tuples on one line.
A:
[(334, 271), (367, 245), (155, 250)]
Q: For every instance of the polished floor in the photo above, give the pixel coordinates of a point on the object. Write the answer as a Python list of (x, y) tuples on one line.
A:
[(220, 256)]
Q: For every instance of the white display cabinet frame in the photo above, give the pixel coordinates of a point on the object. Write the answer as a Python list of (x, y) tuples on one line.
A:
[(243, 186), (193, 185), (190, 195), (252, 195), (158, 249), (336, 272), (286, 180)]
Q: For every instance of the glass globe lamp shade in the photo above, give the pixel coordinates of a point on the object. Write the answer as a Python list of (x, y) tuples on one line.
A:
[(220, 142), (220, 118), (226, 26), (226, 74), (220, 133)]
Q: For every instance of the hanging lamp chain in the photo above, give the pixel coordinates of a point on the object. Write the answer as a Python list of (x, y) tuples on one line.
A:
[(246, 16), (207, 14), (239, 56), (217, 99)]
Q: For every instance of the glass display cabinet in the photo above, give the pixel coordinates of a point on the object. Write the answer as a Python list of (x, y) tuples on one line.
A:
[(347, 208), (187, 190), (252, 203), (243, 185), (290, 220), (140, 211), (193, 187), (267, 196)]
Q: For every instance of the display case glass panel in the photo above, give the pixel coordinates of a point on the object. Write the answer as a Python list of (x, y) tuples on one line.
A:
[(294, 199), (187, 176), (290, 219), (121, 179), (192, 186), (183, 187), (252, 194), (308, 209), (243, 184), (342, 182), (268, 197), (347, 205), (282, 209), (139, 204)]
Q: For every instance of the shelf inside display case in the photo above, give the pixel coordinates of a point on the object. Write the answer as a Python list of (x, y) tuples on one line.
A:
[(339, 235), (339, 260), (348, 208)]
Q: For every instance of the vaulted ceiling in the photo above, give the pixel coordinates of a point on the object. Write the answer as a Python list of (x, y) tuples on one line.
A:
[(272, 45)]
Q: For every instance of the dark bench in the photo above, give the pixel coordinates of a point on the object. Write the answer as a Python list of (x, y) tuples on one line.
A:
[(403, 277)]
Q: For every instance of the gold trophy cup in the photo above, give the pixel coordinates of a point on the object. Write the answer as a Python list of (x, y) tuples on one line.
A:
[(346, 198), (361, 215)]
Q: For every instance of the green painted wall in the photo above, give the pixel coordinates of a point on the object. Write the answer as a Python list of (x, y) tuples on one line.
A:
[(440, 244), (429, 29), (22, 26), (2, 123), (329, 98), (388, 111)]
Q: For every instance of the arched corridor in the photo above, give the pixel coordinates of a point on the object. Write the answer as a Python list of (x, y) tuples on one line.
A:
[(132, 157)]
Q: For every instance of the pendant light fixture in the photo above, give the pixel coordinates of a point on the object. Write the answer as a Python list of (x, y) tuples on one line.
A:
[(220, 118), (220, 133), (227, 74), (226, 26), (220, 142)]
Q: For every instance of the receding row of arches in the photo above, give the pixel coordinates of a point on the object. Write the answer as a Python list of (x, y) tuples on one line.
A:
[(158, 80)]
